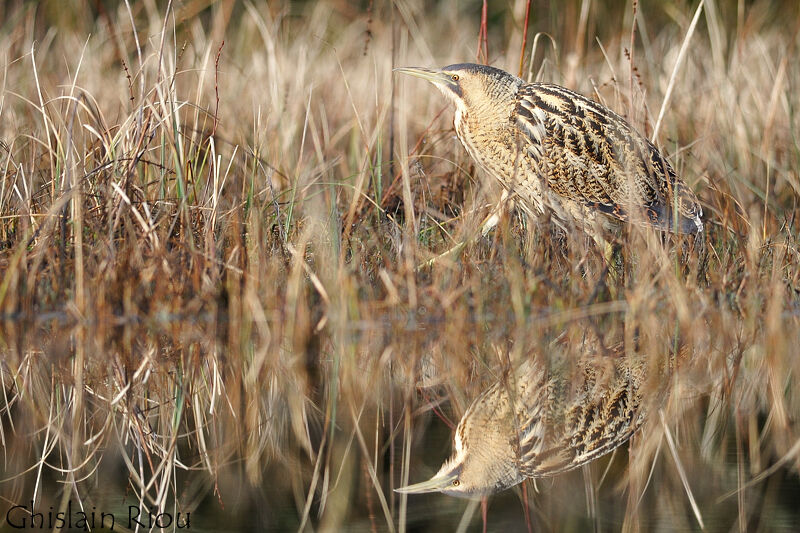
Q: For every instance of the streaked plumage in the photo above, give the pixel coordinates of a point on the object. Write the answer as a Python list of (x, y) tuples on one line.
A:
[(547, 419), (556, 149)]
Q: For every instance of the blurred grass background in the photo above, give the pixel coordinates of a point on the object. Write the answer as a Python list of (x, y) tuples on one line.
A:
[(211, 219)]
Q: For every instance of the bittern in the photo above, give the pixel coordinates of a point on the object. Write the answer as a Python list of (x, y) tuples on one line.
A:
[(553, 149), (545, 419)]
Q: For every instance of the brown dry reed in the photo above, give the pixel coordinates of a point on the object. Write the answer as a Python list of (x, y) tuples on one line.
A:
[(216, 220)]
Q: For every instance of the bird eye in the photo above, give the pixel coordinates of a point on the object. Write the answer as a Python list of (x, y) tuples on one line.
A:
[(454, 77), (456, 482)]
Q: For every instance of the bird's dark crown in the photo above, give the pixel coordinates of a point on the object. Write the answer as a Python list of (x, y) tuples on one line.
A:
[(486, 70)]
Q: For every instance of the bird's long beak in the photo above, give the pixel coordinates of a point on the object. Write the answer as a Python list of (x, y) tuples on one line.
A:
[(437, 483), (436, 77), (442, 80)]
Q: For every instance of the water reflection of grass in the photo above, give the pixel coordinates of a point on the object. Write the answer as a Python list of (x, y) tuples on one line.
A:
[(208, 259)]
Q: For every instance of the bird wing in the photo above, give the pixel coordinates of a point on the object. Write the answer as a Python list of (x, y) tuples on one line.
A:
[(589, 154), (582, 425)]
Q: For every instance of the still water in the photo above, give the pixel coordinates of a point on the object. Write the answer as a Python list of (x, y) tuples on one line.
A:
[(180, 424)]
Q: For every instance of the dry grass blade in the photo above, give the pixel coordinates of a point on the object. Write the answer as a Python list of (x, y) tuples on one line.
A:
[(260, 282), (678, 64), (681, 471)]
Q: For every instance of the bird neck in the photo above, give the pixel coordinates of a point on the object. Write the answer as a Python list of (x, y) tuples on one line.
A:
[(480, 128), (484, 114)]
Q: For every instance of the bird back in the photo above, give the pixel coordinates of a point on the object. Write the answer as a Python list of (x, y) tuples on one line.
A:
[(588, 154)]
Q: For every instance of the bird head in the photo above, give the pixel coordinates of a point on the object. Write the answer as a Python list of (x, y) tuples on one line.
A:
[(484, 459), (469, 85)]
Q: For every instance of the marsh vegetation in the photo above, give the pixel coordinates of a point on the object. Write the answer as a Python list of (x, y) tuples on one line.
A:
[(217, 221)]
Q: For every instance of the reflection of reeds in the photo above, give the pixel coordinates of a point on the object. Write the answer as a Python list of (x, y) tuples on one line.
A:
[(235, 324)]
